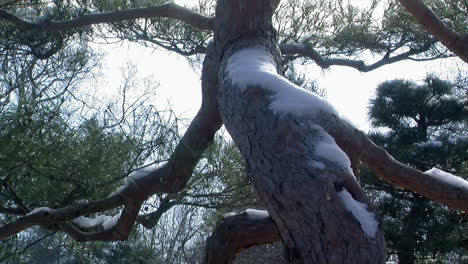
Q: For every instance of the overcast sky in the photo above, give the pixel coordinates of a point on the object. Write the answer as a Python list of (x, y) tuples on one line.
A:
[(347, 89)]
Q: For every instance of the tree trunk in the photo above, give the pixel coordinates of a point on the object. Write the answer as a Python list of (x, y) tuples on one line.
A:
[(306, 194)]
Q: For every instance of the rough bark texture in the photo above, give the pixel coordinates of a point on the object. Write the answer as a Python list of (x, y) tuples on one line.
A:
[(234, 233), (314, 225), (454, 41), (359, 147)]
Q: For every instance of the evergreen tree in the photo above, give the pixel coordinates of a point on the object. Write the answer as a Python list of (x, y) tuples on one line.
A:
[(424, 127)]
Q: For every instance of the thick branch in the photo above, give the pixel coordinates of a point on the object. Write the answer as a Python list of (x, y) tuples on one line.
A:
[(454, 41), (306, 50), (169, 10), (49, 218), (152, 219), (451, 192), (236, 232)]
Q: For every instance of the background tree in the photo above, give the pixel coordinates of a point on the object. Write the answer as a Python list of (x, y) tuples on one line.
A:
[(425, 125), (315, 35)]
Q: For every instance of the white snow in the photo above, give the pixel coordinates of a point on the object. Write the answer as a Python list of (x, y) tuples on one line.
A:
[(329, 150), (359, 210), (139, 173), (448, 98), (142, 172), (430, 144), (257, 214), (39, 210), (86, 222), (231, 214), (317, 164), (111, 222), (458, 139), (448, 177), (107, 222), (256, 67), (251, 213)]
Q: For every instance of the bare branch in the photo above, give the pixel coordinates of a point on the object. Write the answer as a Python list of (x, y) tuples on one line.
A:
[(454, 41), (11, 211), (306, 50), (170, 178), (169, 10), (26, 248), (57, 216), (236, 232)]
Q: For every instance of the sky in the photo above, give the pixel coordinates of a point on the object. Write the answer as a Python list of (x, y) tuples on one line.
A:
[(179, 85)]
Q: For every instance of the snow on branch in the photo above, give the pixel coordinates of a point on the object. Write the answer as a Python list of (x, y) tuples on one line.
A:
[(172, 177), (255, 67), (360, 211), (434, 185), (238, 231), (169, 10)]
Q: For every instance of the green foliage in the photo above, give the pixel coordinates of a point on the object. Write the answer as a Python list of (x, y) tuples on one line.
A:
[(333, 27), (405, 104), (425, 128)]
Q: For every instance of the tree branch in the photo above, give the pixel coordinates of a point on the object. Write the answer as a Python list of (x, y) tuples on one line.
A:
[(236, 232), (26, 248), (306, 50), (454, 41), (170, 178), (152, 219), (169, 10), (451, 192)]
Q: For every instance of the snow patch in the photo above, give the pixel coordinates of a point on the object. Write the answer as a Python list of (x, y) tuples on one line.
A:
[(257, 214), (430, 144), (359, 210), (111, 222), (317, 164), (251, 213), (39, 210), (136, 175), (329, 150), (231, 214), (447, 177), (256, 67), (142, 172), (86, 222), (458, 139)]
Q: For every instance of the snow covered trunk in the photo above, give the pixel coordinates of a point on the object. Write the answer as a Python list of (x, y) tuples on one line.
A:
[(299, 172)]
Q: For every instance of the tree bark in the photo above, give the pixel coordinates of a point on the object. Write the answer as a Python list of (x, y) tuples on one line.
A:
[(454, 41), (237, 232), (303, 200)]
